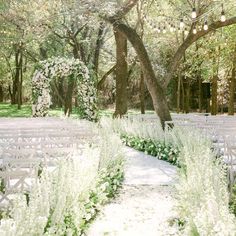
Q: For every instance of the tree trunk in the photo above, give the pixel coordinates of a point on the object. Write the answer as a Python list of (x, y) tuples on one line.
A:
[(183, 95), (1, 93), (75, 49), (100, 84), (232, 86), (214, 95), (61, 92), (43, 53), (153, 85), (178, 93), (214, 83), (11, 94), (71, 83), (98, 47), (142, 94), (17, 84), (14, 81), (187, 97), (69, 95), (200, 95), (121, 73), (58, 92), (20, 81)]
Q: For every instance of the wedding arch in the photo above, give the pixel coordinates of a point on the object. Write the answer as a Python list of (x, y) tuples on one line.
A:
[(63, 68)]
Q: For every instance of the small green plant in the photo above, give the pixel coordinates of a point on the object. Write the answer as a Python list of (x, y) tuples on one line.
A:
[(233, 201), (159, 149), (2, 186), (108, 185)]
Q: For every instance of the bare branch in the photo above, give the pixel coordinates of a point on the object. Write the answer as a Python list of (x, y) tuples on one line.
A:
[(79, 30), (104, 77)]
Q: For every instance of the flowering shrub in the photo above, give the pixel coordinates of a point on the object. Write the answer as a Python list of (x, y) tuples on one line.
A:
[(137, 127), (66, 200), (159, 149), (203, 198), (107, 186), (63, 67), (143, 136)]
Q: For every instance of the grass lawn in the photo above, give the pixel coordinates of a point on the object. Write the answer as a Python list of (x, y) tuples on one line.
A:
[(8, 110)]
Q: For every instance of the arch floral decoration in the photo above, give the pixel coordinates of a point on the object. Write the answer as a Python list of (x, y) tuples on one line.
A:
[(63, 67)]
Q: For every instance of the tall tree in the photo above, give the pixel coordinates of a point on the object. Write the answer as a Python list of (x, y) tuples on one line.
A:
[(232, 85), (121, 74), (156, 90)]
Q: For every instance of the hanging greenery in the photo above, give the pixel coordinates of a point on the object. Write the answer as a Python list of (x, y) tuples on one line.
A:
[(69, 68)]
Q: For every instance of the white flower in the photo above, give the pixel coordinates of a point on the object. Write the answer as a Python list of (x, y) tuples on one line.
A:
[(63, 67)]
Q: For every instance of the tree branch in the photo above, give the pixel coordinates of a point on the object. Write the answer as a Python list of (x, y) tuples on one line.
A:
[(98, 45), (57, 92), (190, 39), (103, 79), (9, 64), (79, 30), (122, 11), (33, 58)]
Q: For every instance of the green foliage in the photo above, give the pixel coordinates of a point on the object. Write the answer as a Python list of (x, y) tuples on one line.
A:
[(159, 149), (109, 183), (233, 201), (112, 178), (69, 222), (2, 186)]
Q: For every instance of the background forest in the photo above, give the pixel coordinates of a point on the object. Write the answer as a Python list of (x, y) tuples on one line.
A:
[(142, 54)]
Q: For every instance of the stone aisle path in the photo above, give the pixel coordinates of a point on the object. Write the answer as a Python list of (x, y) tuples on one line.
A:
[(144, 204)]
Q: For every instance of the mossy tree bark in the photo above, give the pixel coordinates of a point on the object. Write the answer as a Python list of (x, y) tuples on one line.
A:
[(121, 74)]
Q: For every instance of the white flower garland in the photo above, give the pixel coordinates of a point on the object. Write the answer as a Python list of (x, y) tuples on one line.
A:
[(63, 67)]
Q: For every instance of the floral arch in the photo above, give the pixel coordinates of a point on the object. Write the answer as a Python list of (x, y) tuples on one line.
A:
[(63, 67)]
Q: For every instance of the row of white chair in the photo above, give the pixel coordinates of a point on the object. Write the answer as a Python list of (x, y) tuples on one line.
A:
[(223, 136), (29, 146)]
